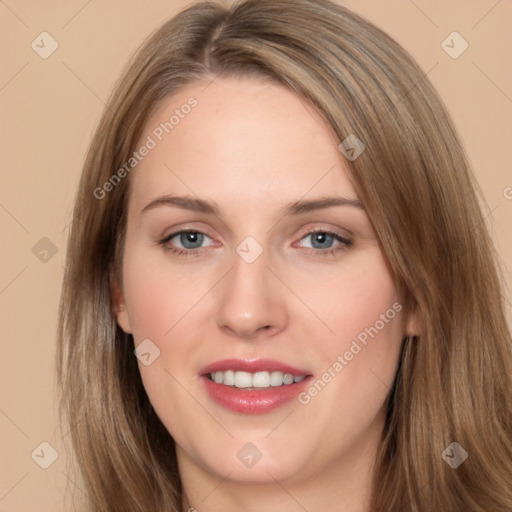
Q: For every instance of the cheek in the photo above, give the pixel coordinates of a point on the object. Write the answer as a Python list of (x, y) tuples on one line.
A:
[(165, 305), (359, 352), (160, 301), (158, 295), (359, 296)]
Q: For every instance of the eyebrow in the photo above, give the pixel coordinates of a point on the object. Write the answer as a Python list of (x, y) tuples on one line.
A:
[(210, 207)]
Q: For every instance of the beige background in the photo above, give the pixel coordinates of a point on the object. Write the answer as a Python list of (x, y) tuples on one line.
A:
[(48, 109)]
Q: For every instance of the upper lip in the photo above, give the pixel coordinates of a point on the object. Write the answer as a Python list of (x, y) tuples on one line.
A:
[(252, 366)]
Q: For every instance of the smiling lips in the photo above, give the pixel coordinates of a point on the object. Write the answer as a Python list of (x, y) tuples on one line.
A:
[(253, 387)]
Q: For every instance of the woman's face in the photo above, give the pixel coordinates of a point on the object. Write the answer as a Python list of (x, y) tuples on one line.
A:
[(278, 289)]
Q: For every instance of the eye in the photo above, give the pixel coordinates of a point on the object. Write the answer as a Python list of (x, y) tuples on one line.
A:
[(325, 242), (189, 239), (185, 242)]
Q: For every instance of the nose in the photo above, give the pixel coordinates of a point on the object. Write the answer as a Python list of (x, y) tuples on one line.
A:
[(252, 303)]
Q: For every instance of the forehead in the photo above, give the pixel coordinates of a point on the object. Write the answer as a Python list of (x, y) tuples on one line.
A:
[(243, 140)]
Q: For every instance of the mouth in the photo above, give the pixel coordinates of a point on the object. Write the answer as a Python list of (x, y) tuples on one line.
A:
[(253, 387)]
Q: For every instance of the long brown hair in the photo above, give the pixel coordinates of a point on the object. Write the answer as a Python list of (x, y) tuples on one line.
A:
[(454, 381)]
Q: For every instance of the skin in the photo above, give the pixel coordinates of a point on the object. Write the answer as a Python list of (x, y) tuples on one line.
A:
[(254, 147)]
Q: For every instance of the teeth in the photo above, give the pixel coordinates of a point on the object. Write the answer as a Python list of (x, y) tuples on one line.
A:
[(229, 378), (243, 380), (260, 380), (288, 379), (276, 378), (255, 380)]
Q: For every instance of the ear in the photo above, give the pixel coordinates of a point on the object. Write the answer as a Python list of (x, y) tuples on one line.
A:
[(119, 306)]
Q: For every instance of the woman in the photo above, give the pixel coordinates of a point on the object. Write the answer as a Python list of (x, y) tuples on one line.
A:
[(280, 293)]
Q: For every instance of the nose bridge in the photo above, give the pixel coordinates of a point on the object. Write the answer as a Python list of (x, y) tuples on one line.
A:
[(250, 301)]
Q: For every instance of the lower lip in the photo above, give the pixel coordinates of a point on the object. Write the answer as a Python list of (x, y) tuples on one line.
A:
[(253, 401)]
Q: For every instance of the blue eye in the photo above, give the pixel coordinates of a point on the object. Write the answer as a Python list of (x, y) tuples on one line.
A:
[(325, 242), (190, 239), (321, 240), (185, 242)]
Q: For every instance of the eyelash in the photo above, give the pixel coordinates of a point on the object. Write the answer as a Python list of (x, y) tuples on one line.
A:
[(344, 243)]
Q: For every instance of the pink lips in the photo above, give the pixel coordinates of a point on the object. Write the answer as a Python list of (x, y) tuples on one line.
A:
[(250, 400), (257, 365)]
